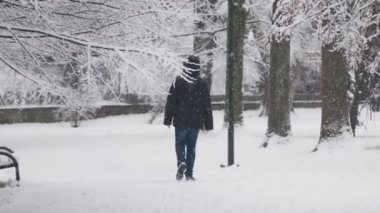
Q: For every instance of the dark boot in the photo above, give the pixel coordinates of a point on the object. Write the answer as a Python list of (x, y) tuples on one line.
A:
[(181, 169), (190, 178)]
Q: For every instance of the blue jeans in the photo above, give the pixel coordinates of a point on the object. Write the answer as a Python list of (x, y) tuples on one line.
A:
[(185, 143)]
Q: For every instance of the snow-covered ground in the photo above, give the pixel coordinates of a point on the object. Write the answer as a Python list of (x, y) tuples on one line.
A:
[(121, 164)]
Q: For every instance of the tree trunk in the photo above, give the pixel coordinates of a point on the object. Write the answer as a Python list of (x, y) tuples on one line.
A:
[(279, 89), (295, 71), (279, 85), (356, 90), (238, 41), (335, 103), (265, 95)]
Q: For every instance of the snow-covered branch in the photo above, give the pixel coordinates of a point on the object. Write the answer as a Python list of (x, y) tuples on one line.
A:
[(102, 49)]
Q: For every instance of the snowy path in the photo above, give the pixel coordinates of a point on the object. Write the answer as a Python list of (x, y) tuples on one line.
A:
[(121, 164)]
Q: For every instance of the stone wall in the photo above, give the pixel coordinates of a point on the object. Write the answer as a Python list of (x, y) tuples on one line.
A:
[(49, 115)]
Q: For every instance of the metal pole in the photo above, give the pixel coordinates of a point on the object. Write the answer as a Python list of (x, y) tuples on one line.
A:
[(230, 75)]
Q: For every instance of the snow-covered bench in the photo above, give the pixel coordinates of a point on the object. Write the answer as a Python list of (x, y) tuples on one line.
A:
[(7, 160)]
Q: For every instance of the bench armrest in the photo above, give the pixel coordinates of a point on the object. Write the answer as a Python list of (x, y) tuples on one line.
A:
[(13, 164), (6, 149)]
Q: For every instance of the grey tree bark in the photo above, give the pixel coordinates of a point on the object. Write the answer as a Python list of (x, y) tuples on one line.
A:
[(279, 89), (334, 87), (279, 86)]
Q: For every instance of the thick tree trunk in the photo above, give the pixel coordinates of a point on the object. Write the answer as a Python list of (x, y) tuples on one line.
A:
[(238, 41), (279, 85), (279, 89), (335, 102)]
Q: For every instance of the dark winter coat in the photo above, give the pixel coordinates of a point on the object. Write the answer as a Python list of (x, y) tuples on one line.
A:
[(189, 105)]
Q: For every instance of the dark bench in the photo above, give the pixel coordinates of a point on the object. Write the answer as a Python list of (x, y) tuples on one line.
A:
[(12, 162)]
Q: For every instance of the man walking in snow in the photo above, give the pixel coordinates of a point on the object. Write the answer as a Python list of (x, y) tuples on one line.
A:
[(188, 106)]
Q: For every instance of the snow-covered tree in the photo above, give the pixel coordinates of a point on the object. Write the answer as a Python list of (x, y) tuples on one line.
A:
[(128, 41), (342, 27), (366, 85), (279, 74), (285, 17)]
